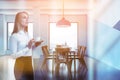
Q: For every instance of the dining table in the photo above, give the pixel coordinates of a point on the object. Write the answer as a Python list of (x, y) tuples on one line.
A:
[(66, 52)]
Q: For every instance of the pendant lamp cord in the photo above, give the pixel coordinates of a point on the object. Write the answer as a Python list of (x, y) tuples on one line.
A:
[(63, 8)]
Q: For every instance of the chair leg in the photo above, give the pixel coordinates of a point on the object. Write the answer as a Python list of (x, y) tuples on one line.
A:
[(43, 63), (69, 70), (57, 67), (53, 62), (82, 61), (69, 64)]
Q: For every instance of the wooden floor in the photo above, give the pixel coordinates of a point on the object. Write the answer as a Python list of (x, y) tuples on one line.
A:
[(46, 72), (96, 70)]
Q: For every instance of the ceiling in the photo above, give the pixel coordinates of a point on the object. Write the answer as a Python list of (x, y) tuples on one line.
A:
[(45, 6)]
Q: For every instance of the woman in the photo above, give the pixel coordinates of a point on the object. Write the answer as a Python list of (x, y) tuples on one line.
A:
[(21, 46)]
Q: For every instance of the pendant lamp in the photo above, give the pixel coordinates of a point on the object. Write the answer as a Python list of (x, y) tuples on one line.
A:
[(63, 22)]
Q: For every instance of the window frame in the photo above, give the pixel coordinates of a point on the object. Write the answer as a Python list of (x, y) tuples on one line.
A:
[(49, 33), (7, 41)]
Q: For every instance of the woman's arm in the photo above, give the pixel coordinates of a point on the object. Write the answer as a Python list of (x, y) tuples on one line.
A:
[(13, 45)]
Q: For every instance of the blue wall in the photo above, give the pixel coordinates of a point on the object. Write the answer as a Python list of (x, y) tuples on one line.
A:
[(107, 45)]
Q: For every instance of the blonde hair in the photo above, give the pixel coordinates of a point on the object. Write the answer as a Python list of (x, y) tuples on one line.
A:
[(17, 22)]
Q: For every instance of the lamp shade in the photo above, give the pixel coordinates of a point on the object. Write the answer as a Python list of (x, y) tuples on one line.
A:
[(63, 23)]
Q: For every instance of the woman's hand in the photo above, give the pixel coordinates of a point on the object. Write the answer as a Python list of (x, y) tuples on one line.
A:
[(38, 43), (30, 43)]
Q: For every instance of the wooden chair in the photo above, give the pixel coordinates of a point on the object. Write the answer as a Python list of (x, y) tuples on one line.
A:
[(81, 54), (47, 55), (82, 68), (62, 56)]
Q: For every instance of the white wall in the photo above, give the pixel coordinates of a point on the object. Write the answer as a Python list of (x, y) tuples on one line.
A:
[(2, 19), (41, 28)]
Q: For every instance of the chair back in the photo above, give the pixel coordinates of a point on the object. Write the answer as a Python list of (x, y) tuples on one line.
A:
[(62, 51), (45, 50), (81, 51), (62, 54)]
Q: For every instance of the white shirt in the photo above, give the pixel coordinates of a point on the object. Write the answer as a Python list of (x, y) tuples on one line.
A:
[(18, 44)]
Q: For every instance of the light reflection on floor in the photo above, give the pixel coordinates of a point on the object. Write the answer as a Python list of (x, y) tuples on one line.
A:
[(46, 73), (100, 70)]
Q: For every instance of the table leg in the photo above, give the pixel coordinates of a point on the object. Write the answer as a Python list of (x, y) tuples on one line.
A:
[(53, 64), (74, 66)]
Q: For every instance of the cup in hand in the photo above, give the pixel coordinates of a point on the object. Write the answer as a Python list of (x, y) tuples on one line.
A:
[(37, 39)]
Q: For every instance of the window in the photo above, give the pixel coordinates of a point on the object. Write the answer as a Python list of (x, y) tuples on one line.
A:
[(60, 35), (10, 27)]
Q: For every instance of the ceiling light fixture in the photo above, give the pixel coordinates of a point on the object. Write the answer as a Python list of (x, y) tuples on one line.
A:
[(63, 22)]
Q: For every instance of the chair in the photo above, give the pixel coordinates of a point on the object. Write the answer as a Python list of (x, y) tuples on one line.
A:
[(81, 54), (62, 56), (82, 68), (47, 55)]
